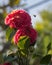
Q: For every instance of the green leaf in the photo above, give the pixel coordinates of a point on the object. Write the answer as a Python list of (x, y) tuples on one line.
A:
[(50, 52), (24, 42), (46, 41), (36, 55), (46, 59), (9, 34), (1, 58), (24, 52), (49, 47)]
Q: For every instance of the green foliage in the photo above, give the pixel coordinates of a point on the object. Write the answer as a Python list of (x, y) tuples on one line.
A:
[(39, 27), (46, 15), (49, 47), (2, 16), (45, 60), (1, 58), (14, 2), (24, 42), (50, 52), (9, 33), (44, 42)]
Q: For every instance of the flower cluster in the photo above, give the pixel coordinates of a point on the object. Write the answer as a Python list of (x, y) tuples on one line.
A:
[(21, 20)]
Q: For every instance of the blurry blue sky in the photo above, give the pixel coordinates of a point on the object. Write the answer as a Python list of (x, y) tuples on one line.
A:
[(32, 11), (36, 10)]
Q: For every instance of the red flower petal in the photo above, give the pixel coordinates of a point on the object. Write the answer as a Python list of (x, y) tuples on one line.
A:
[(18, 19)]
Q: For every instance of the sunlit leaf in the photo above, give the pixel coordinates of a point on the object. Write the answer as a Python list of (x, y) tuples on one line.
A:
[(39, 26), (46, 41), (24, 42), (50, 52), (9, 33), (24, 52)]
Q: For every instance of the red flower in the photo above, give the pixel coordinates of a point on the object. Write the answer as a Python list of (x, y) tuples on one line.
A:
[(18, 19), (28, 31), (6, 64)]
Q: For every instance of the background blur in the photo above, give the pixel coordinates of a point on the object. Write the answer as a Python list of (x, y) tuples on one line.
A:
[(41, 14)]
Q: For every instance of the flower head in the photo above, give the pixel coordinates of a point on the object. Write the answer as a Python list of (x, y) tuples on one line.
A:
[(18, 19), (27, 31)]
